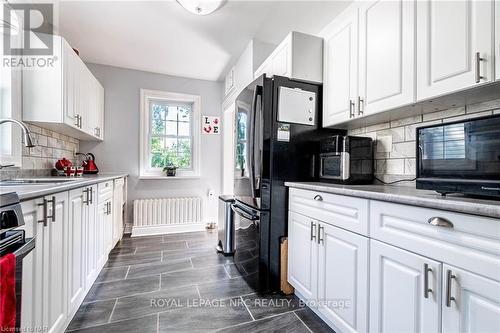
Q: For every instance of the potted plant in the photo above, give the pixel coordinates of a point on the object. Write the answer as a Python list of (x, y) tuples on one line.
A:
[(170, 170)]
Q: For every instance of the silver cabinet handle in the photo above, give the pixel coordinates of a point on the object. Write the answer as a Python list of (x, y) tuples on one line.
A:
[(478, 67), (53, 216), (449, 277), (44, 219), (320, 240), (318, 197), (91, 195), (427, 290), (313, 231), (360, 101), (76, 121), (351, 109), (440, 222)]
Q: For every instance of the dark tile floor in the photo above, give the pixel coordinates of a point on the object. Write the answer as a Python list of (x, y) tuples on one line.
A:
[(178, 283)]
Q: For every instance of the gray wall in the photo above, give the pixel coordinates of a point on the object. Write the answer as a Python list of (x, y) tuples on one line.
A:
[(120, 150)]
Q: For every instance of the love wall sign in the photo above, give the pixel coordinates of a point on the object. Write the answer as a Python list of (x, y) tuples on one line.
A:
[(211, 125)]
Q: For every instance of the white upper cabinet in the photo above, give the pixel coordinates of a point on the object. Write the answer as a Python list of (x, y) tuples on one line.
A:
[(298, 56), (303, 254), (497, 39), (454, 45), (340, 71), (65, 97), (470, 303), (398, 298), (387, 55)]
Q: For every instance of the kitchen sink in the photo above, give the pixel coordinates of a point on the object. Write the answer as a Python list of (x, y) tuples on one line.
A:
[(35, 181)]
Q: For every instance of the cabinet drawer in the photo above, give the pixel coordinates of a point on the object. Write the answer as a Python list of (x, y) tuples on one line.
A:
[(119, 181), (470, 242), (105, 190), (345, 212)]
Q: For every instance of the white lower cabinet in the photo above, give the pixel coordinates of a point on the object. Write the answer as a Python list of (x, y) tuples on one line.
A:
[(303, 254), (118, 202), (90, 235), (54, 263), (406, 274), (399, 301), (470, 303), (343, 278), (73, 238)]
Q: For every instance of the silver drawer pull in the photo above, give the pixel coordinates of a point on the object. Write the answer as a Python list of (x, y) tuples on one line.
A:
[(318, 198), (313, 231), (478, 67), (440, 222)]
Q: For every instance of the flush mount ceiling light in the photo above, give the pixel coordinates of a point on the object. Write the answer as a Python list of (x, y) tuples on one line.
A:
[(201, 7)]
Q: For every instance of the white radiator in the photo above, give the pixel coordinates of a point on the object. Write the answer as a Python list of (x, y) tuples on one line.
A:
[(167, 211)]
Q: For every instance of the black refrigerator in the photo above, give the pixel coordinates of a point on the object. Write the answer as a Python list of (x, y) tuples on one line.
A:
[(277, 133)]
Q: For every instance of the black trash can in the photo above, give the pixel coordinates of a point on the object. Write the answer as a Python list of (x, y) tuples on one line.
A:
[(226, 226)]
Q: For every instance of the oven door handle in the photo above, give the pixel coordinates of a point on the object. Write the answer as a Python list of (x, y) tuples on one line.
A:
[(248, 215)]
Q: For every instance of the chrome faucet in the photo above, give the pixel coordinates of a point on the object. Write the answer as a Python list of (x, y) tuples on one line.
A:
[(28, 141)]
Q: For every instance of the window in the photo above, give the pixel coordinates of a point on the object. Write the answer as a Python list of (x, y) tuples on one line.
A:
[(170, 129)]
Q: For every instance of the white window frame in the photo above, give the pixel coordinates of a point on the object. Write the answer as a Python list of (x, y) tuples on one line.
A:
[(145, 170), (15, 101)]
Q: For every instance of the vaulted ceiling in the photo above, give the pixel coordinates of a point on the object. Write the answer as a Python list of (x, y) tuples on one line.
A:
[(162, 37)]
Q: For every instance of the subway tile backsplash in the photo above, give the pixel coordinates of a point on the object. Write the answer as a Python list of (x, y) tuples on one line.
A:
[(40, 160), (395, 146), (50, 147)]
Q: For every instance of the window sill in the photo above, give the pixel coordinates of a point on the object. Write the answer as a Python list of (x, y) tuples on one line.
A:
[(153, 177)]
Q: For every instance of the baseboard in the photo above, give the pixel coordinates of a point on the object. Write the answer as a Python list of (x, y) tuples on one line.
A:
[(166, 229)]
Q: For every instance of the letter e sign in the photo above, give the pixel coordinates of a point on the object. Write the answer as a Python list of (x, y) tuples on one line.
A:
[(211, 125)]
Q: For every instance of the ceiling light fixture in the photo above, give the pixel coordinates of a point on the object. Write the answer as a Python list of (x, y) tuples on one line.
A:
[(201, 7)]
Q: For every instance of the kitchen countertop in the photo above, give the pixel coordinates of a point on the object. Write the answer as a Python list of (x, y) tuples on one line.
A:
[(32, 191), (408, 195)]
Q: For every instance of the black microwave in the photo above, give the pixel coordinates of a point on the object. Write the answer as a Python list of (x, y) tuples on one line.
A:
[(460, 157)]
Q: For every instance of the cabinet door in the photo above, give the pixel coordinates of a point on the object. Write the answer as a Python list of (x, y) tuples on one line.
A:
[(474, 304), (340, 85), (497, 39), (76, 250), (31, 302), (343, 278), (91, 240), (303, 255), (397, 297), (117, 211), (449, 35), (387, 58), (99, 114), (281, 60), (71, 88), (265, 68), (55, 264), (109, 227)]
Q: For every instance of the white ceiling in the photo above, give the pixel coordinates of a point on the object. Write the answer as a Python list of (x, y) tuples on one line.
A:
[(162, 37)]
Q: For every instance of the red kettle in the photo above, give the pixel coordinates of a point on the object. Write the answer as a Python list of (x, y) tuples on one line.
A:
[(89, 166)]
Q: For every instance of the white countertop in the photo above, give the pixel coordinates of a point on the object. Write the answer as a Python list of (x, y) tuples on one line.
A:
[(32, 191), (408, 195)]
